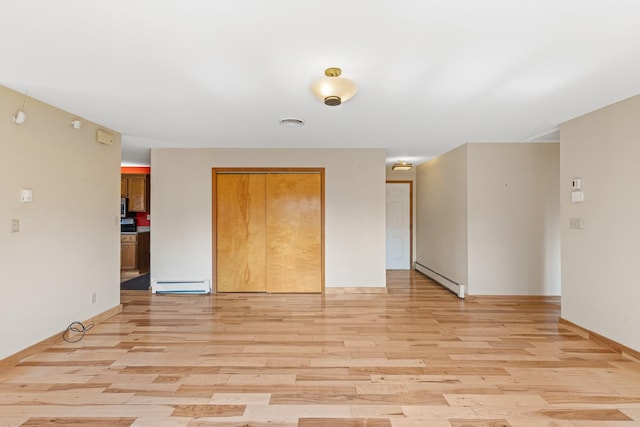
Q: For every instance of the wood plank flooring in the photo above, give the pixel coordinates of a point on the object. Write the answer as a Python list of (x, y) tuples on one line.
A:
[(415, 356)]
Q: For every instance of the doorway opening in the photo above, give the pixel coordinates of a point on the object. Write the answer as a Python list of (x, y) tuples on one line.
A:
[(399, 225)]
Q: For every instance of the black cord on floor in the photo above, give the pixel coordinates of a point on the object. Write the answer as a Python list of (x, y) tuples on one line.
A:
[(78, 328)]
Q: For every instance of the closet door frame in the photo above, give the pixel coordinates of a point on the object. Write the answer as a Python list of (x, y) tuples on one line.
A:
[(244, 170)]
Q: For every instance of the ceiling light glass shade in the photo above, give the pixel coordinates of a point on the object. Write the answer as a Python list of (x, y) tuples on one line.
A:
[(333, 89), (401, 166)]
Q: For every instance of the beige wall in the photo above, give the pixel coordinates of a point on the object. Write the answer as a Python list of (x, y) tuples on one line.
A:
[(488, 218), (68, 244), (600, 289), (441, 222), (513, 219), (181, 242)]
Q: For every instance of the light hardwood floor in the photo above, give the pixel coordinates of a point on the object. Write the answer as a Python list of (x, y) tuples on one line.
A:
[(415, 356)]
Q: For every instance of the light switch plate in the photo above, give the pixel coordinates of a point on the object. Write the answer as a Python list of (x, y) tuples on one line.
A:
[(15, 225), (577, 197), (576, 223)]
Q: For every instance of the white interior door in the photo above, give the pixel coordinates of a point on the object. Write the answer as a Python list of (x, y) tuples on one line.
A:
[(398, 226)]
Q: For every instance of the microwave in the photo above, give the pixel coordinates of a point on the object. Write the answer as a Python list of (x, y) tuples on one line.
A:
[(123, 207)]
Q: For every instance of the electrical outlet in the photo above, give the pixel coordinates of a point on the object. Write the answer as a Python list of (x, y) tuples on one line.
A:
[(15, 225), (94, 298)]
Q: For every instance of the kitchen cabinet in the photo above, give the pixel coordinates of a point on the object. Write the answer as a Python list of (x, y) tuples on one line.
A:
[(134, 252), (124, 186), (135, 187)]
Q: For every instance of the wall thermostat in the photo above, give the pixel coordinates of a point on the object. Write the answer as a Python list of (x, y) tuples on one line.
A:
[(576, 184), (26, 195)]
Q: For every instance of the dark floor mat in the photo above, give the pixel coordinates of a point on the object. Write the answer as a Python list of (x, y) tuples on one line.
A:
[(140, 283)]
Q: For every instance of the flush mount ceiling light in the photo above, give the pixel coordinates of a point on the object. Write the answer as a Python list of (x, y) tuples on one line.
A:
[(401, 166), (332, 89)]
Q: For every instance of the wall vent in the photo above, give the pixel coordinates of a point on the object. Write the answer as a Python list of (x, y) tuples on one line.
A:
[(104, 137)]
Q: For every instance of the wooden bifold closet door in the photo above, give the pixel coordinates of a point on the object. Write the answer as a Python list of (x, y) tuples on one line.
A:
[(241, 233), (268, 232)]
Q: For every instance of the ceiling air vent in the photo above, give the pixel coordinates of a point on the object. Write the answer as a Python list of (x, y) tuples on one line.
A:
[(291, 122)]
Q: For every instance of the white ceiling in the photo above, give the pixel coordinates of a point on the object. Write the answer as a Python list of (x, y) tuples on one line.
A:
[(432, 74)]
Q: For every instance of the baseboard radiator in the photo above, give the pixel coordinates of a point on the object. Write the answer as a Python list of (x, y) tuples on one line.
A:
[(454, 287), (181, 286)]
